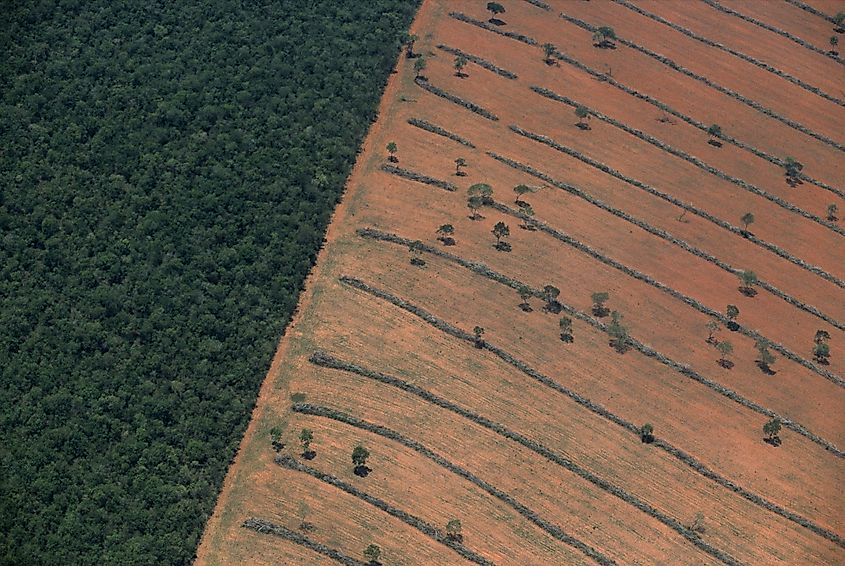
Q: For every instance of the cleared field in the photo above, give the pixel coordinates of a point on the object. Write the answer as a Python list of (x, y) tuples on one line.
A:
[(533, 442)]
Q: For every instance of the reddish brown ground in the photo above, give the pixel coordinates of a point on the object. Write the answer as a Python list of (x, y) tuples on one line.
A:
[(725, 436)]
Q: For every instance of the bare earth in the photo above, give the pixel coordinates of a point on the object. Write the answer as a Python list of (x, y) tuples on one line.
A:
[(576, 471)]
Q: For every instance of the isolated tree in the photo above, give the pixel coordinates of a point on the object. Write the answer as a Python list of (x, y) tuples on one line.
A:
[(550, 295), (479, 332), (495, 9), (453, 530), (527, 216), (834, 41), (445, 234), (748, 279), (416, 250), (832, 209), (359, 459), (408, 41), (305, 438), (793, 167), (419, 66), (732, 311), (697, 525), (715, 131), (275, 438), (460, 63), (460, 163), (525, 294), (747, 220), (766, 358), (837, 20), (549, 51), (501, 230), (522, 190), (821, 336), (821, 353), (599, 299), (604, 37), (581, 112), (618, 333), (391, 149), (566, 329), (474, 203), (725, 349), (647, 433), (482, 190), (772, 429), (712, 328), (372, 553)]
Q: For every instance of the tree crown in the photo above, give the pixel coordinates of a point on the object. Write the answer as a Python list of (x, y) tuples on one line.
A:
[(360, 455), (599, 298)]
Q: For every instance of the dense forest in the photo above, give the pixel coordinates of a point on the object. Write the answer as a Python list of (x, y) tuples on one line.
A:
[(167, 172)]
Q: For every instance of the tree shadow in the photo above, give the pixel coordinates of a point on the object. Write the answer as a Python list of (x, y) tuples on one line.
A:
[(765, 368), (582, 126), (309, 455), (497, 22), (418, 262), (727, 364), (620, 346), (732, 326), (748, 291), (715, 143), (600, 312), (553, 307), (568, 338), (362, 471), (773, 441), (503, 246), (278, 446), (525, 307), (605, 44)]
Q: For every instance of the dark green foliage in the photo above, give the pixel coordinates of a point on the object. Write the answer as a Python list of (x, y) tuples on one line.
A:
[(747, 219), (495, 8), (360, 455), (618, 333), (166, 175), (372, 553), (647, 433), (454, 530), (772, 429)]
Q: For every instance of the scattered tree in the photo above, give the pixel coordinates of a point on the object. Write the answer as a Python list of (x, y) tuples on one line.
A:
[(715, 132), (445, 234), (834, 41), (372, 553), (525, 294), (305, 438), (359, 459), (474, 203), (832, 209), (409, 41), (453, 530), (527, 216), (647, 433), (821, 353), (460, 63), (566, 329), (725, 349), (416, 250), (766, 358), (837, 21), (276, 438), (549, 51), (419, 66), (581, 113), (501, 230), (599, 299), (793, 170), (481, 190), (821, 350), (747, 220), (618, 333), (732, 311), (522, 190), (712, 328), (479, 332), (697, 525), (460, 163), (495, 9), (772, 429), (391, 149), (604, 37), (550, 295), (748, 279)]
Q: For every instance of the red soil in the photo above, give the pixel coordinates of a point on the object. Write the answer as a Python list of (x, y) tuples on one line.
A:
[(723, 435)]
